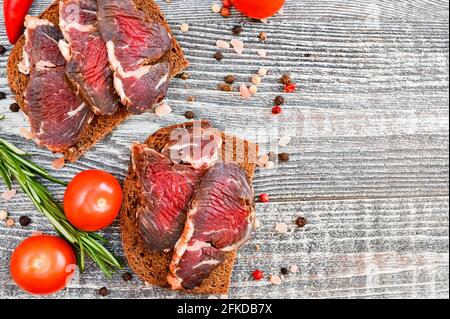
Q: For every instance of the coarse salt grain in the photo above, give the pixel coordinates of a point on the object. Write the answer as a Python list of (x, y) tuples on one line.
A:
[(36, 233), (275, 280), (262, 72), (9, 222), (216, 8), (262, 161), (281, 228), (253, 89), (9, 194), (3, 215), (184, 27), (222, 44), (212, 297), (163, 110), (262, 53), (256, 224), (256, 80), (238, 46), (270, 165), (245, 93), (59, 163), (223, 296), (294, 269), (284, 141), (26, 133)]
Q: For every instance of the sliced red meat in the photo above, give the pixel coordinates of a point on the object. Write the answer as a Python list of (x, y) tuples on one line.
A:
[(87, 69), (135, 44), (41, 45), (220, 219), (57, 117), (166, 191), (197, 146)]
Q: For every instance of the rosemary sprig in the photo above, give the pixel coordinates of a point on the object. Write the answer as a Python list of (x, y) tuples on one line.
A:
[(15, 165), (2, 117)]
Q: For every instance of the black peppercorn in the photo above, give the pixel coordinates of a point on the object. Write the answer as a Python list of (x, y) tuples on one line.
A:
[(301, 222), (189, 115), (279, 100), (218, 56), (237, 30), (24, 221), (229, 79), (14, 107), (2, 95), (127, 276), (283, 157), (2, 49), (284, 271), (103, 292)]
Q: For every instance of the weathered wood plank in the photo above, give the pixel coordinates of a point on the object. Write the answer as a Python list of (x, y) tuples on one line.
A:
[(320, 167), (354, 248), (369, 157)]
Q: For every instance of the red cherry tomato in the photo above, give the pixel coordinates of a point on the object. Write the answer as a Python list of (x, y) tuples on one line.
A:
[(258, 9), (43, 264), (92, 200)]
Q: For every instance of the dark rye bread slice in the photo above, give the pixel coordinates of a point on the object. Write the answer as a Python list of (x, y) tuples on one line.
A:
[(101, 125), (151, 266)]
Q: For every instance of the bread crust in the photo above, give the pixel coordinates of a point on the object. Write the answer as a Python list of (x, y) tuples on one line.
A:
[(101, 125), (153, 267)]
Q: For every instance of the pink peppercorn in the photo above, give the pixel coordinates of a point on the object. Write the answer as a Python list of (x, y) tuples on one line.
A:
[(264, 198), (226, 3), (290, 88), (258, 274), (276, 109)]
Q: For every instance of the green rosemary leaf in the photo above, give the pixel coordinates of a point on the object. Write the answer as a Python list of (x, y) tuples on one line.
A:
[(12, 147), (5, 175), (28, 164)]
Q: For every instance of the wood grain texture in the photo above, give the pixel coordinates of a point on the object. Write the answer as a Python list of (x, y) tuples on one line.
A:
[(369, 156)]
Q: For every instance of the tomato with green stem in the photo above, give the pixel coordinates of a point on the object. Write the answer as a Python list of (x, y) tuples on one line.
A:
[(43, 264), (258, 9), (92, 200)]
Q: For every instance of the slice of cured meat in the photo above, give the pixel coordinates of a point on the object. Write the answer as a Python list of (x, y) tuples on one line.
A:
[(134, 45), (220, 219), (87, 69), (197, 146), (167, 189), (57, 116), (41, 45)]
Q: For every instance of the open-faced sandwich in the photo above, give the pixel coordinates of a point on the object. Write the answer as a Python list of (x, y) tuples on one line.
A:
[(83, 66), (188, 207)]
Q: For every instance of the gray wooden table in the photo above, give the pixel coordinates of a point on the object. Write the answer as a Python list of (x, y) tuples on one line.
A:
[(369, 159)]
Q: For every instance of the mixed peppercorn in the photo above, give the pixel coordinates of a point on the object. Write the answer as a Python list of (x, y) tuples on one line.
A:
[(24, 221)]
